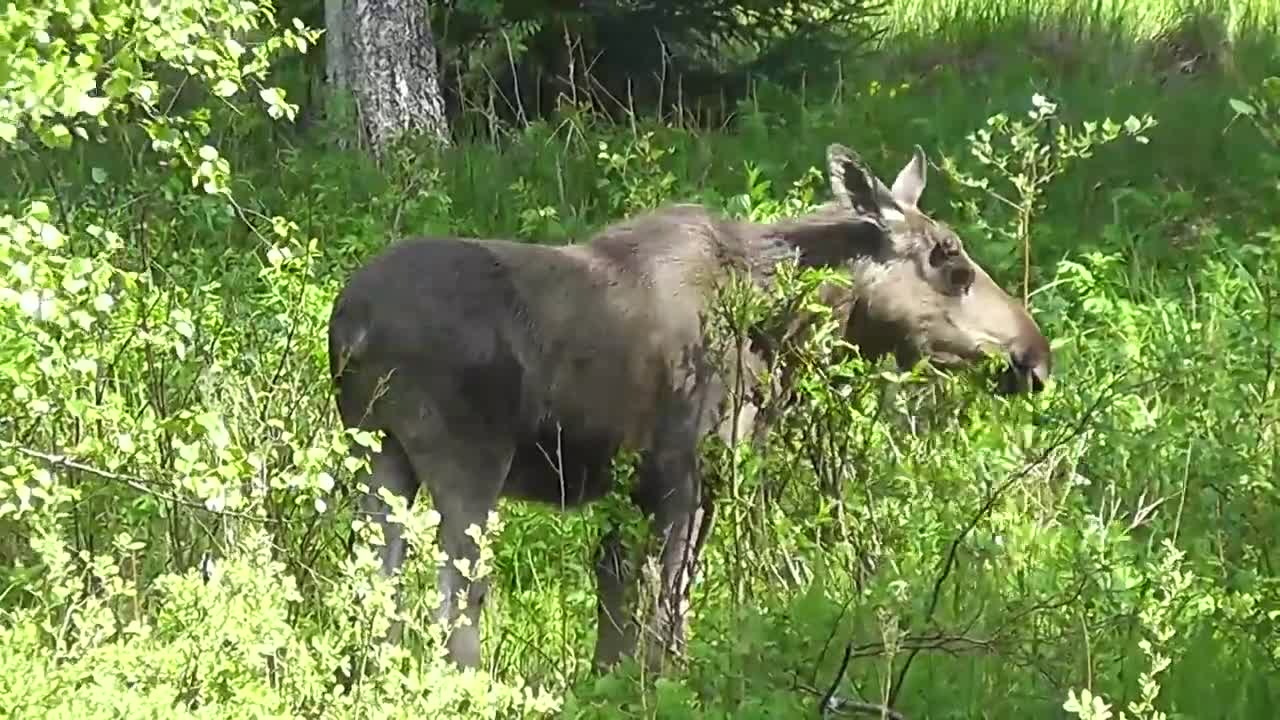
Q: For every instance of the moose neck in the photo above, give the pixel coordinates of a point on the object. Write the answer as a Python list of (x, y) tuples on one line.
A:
[(826, 237)]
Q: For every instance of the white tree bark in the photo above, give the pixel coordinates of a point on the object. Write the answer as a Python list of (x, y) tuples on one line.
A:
[(384, 53)]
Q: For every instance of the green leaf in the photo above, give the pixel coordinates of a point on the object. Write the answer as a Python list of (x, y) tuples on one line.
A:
[(225, 88), (1271, 89), (85, 365), (1242, 107), (92, 105), (73, 285), (117, 86), (50, 236), (56, 136), (8, 132), (215, 429)]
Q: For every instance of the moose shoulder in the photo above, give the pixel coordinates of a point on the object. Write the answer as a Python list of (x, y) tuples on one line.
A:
[(503, 369)]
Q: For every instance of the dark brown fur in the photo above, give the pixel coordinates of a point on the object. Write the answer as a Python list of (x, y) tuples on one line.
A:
[(493, 355)]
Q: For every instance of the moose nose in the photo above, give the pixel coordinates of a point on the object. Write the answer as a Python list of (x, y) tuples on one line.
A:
[(1033, 363)]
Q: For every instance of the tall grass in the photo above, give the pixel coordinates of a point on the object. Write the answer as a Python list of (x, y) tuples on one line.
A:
[(1152, 270)]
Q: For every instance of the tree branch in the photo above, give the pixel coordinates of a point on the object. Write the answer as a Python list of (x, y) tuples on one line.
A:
[(132, 482)]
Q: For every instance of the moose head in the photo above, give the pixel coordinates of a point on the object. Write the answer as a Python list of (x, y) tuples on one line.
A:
[(920, 295)]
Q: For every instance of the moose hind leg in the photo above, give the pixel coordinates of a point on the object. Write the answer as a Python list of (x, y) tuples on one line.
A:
[(390, 469), (465, 481)]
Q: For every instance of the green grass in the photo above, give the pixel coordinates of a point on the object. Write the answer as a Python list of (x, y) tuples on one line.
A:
[(1153, 273)]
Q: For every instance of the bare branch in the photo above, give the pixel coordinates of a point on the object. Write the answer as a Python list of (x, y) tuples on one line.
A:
[(134, 483)]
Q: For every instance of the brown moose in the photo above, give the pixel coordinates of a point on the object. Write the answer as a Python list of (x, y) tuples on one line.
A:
[(506, 369)]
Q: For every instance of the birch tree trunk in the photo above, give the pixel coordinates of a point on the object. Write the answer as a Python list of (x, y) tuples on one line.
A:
[(383, 52)]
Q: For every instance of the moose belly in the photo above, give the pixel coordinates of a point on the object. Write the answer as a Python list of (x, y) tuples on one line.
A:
[(562, 466)]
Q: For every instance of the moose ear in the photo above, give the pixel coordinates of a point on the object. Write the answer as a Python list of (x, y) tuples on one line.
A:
[(855, 186), (910, 182)]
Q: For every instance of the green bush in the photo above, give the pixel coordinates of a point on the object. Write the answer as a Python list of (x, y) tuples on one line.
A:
[(175, 498)]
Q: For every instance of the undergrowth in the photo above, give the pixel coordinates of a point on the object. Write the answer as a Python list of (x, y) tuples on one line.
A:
[(175, 506)]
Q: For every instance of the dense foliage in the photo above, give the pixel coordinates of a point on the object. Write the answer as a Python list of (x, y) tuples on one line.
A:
[(519, 61), (175, 506)]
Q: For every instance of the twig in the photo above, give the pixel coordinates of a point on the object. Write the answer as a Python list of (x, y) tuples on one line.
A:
[(825, 705), (839, 704), (132, 482), (832, 703)]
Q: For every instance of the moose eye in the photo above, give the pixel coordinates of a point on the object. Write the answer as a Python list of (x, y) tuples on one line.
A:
[(938, 255)]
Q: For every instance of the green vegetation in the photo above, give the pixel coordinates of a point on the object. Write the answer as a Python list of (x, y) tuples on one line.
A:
[(170, 247)]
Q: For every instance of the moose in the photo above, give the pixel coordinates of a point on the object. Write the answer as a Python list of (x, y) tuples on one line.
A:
[(501, 369)]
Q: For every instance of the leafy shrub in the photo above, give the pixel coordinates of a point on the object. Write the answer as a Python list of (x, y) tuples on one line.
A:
[(175, 495)]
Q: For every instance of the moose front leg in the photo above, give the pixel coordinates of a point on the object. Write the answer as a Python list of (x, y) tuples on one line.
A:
[(615, 625), (682, 519)]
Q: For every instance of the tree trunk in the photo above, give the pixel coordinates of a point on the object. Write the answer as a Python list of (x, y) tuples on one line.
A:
[(384, 53), (337, 52)]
